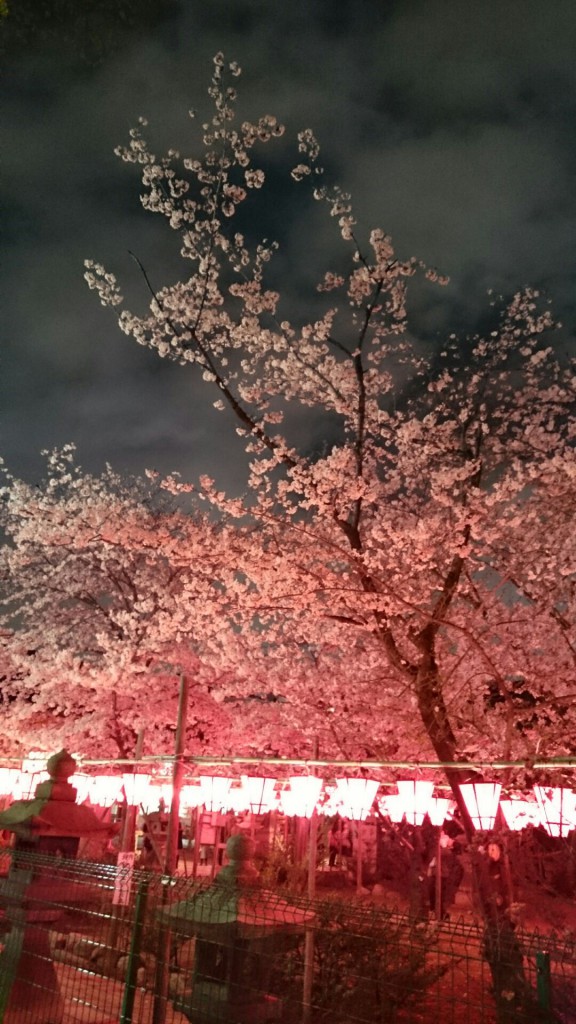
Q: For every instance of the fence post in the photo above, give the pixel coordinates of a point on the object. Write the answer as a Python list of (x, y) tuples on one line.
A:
[(544, 981), (130, 982), (163, 952)]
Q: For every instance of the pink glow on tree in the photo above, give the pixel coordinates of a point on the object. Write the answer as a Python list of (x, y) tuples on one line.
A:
[(401, 586)]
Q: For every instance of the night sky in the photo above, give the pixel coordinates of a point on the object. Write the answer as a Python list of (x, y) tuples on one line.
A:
[(452, 124)]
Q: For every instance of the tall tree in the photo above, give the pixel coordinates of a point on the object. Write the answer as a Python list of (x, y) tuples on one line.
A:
[(110, 591), (429, 519), (428, 526), (99, 618)]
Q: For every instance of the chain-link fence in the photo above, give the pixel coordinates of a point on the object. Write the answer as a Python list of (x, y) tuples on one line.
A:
[(86, 943)]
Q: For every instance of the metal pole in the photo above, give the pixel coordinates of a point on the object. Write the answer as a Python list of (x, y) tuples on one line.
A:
[(127, 1009), (309, 936), (544, 981), (162, 979)]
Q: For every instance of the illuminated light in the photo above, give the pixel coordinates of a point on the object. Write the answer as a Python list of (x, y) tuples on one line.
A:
[(136, 788), (327, 804), (518, 814), (215, 792), (105, 790), (260, 794), (557, 808), (392, 806), (83, 784), (238, 800), (482, 799), (353, 798), (416, 796), (153, 796), (33, 772), (190, 796), (9, 778), (439, 809), (301, 798), (26, 784), (35, 762)]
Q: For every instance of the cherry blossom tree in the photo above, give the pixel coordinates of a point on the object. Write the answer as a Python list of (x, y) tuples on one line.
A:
[(429, 539), (100, 616), (425, 536), (111, 591)]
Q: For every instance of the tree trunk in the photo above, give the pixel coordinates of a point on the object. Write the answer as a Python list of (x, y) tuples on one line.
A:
[(514, 999)]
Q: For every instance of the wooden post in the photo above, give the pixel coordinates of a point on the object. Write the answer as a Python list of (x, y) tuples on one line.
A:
[(177, 780)]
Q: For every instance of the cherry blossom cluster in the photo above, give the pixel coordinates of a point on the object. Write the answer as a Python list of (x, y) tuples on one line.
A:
[(398, 578)]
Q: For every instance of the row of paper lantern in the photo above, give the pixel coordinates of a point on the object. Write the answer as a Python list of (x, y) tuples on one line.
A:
[(553, 807)]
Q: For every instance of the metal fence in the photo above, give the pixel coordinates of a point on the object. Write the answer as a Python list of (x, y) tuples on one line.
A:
[(86, 943)]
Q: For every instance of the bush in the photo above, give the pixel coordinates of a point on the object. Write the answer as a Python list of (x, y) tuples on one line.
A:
[(368, 965)]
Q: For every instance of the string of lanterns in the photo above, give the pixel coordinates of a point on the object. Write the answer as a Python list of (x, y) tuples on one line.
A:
[(301, 795)]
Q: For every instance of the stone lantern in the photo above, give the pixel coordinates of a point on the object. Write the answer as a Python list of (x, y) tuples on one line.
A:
[(239, 927), (47, 831)]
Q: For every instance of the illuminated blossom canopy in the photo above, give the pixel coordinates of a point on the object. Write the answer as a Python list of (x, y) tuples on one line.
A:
[(397, 579)]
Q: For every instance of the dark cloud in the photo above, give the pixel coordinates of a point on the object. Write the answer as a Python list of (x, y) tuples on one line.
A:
[(452, 125)]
